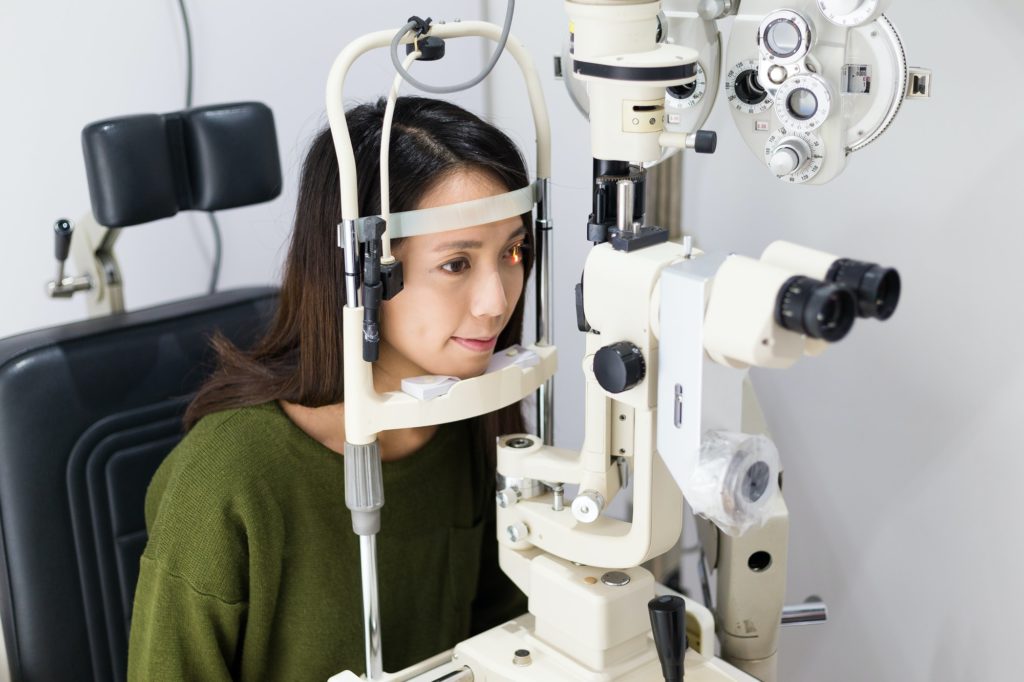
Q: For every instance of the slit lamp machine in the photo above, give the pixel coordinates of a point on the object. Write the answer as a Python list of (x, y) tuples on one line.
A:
[(669, 331)]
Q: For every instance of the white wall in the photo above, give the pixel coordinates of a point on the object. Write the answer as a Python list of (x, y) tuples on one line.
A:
[(902, 460)]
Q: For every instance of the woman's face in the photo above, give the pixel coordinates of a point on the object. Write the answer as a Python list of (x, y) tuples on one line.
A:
[(461, 287)]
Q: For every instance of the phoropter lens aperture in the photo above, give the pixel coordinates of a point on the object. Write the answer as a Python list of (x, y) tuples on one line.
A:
[(817, 309), (877, 288), (748, 88), (802, 104), (783, 38)]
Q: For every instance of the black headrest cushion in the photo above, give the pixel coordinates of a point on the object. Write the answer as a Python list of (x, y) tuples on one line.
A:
[(150, 166)]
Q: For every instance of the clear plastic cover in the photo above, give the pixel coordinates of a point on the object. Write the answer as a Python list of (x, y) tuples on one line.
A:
[(735, 479)]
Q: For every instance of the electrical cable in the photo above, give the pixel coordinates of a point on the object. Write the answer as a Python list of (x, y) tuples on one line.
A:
[(447, 89), (214, 225), (385, 155)]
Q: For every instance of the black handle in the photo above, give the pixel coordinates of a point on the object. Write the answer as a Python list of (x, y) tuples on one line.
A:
[(62, 230), (707, 142), (668, 621)]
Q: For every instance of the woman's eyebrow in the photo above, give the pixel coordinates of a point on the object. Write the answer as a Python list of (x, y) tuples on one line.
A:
[(466, 244)]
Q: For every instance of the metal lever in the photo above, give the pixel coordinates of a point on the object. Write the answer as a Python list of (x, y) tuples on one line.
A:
[(702, 141), (65, 287), (710, 10), (668, 624), (812, 611)]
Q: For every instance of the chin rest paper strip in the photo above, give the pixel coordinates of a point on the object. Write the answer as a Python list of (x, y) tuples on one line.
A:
[(465, 214)]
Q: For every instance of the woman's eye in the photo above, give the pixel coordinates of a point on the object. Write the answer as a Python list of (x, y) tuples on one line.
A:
[(515, 253), (456, 267)]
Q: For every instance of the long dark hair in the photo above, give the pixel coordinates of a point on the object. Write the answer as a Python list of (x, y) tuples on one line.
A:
[(300, 357)]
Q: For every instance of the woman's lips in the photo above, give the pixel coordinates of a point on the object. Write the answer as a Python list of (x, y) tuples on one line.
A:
[(477, 345)]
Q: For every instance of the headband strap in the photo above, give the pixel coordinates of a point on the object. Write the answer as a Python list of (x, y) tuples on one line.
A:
[(465, 214)]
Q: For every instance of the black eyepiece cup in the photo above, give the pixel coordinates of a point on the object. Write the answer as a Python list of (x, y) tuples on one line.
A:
[(821, 310), (877, 288)]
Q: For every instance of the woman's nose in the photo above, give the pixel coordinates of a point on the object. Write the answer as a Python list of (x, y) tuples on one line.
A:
[(489, 296)]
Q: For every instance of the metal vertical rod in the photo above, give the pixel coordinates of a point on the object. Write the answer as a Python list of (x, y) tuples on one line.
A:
[(543, 266), (349, 241), (624, 205), (371, 607)]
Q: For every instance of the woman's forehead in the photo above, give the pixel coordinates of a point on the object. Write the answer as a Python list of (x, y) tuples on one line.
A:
[(460, 186), (475, 237)]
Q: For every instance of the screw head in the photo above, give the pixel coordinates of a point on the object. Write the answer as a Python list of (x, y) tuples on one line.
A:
[(615, 579), (517, 531), (507, 497), (521, 657)]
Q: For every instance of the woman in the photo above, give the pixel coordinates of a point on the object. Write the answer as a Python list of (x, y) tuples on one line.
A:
[(252, 569)]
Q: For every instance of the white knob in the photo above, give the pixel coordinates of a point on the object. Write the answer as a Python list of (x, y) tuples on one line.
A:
[(784, 161), (789, 156), (587, 506)]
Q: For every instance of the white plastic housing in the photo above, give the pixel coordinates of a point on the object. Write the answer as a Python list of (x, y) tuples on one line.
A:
[(739, 326), (799, 259), (620, 35)]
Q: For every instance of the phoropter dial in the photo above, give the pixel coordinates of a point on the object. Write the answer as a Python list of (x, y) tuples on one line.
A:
[(793, 156), (682, 97), (803, 103), (850, 13), (744, 90)]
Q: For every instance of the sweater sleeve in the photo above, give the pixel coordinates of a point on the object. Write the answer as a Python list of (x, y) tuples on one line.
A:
[(191, 599), (179, 633)]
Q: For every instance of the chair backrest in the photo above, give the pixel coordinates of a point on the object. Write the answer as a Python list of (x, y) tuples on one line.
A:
[(87, 412)]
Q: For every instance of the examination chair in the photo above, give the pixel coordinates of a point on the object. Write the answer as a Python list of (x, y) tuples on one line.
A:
[(88, 410)]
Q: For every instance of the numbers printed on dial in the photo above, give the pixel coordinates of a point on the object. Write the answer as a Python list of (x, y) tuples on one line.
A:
[(799, 91), (744, 91), (810, 167), (858, 16), (700, 87)]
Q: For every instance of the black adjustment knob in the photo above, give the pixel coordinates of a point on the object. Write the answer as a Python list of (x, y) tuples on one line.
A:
[(707, 142), (62, 230), (619, 367), (668, 622)]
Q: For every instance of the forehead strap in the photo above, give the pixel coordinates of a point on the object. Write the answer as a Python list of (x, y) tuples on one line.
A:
[(464, 214)]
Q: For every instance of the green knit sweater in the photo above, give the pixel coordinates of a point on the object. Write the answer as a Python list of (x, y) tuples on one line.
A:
[(252, 569)]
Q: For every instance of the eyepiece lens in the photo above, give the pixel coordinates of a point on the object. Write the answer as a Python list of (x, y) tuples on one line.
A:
[(817, 309), (831, 311), (829, 315)]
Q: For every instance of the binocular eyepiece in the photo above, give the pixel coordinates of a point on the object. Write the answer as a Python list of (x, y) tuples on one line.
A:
[(876, 289)]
